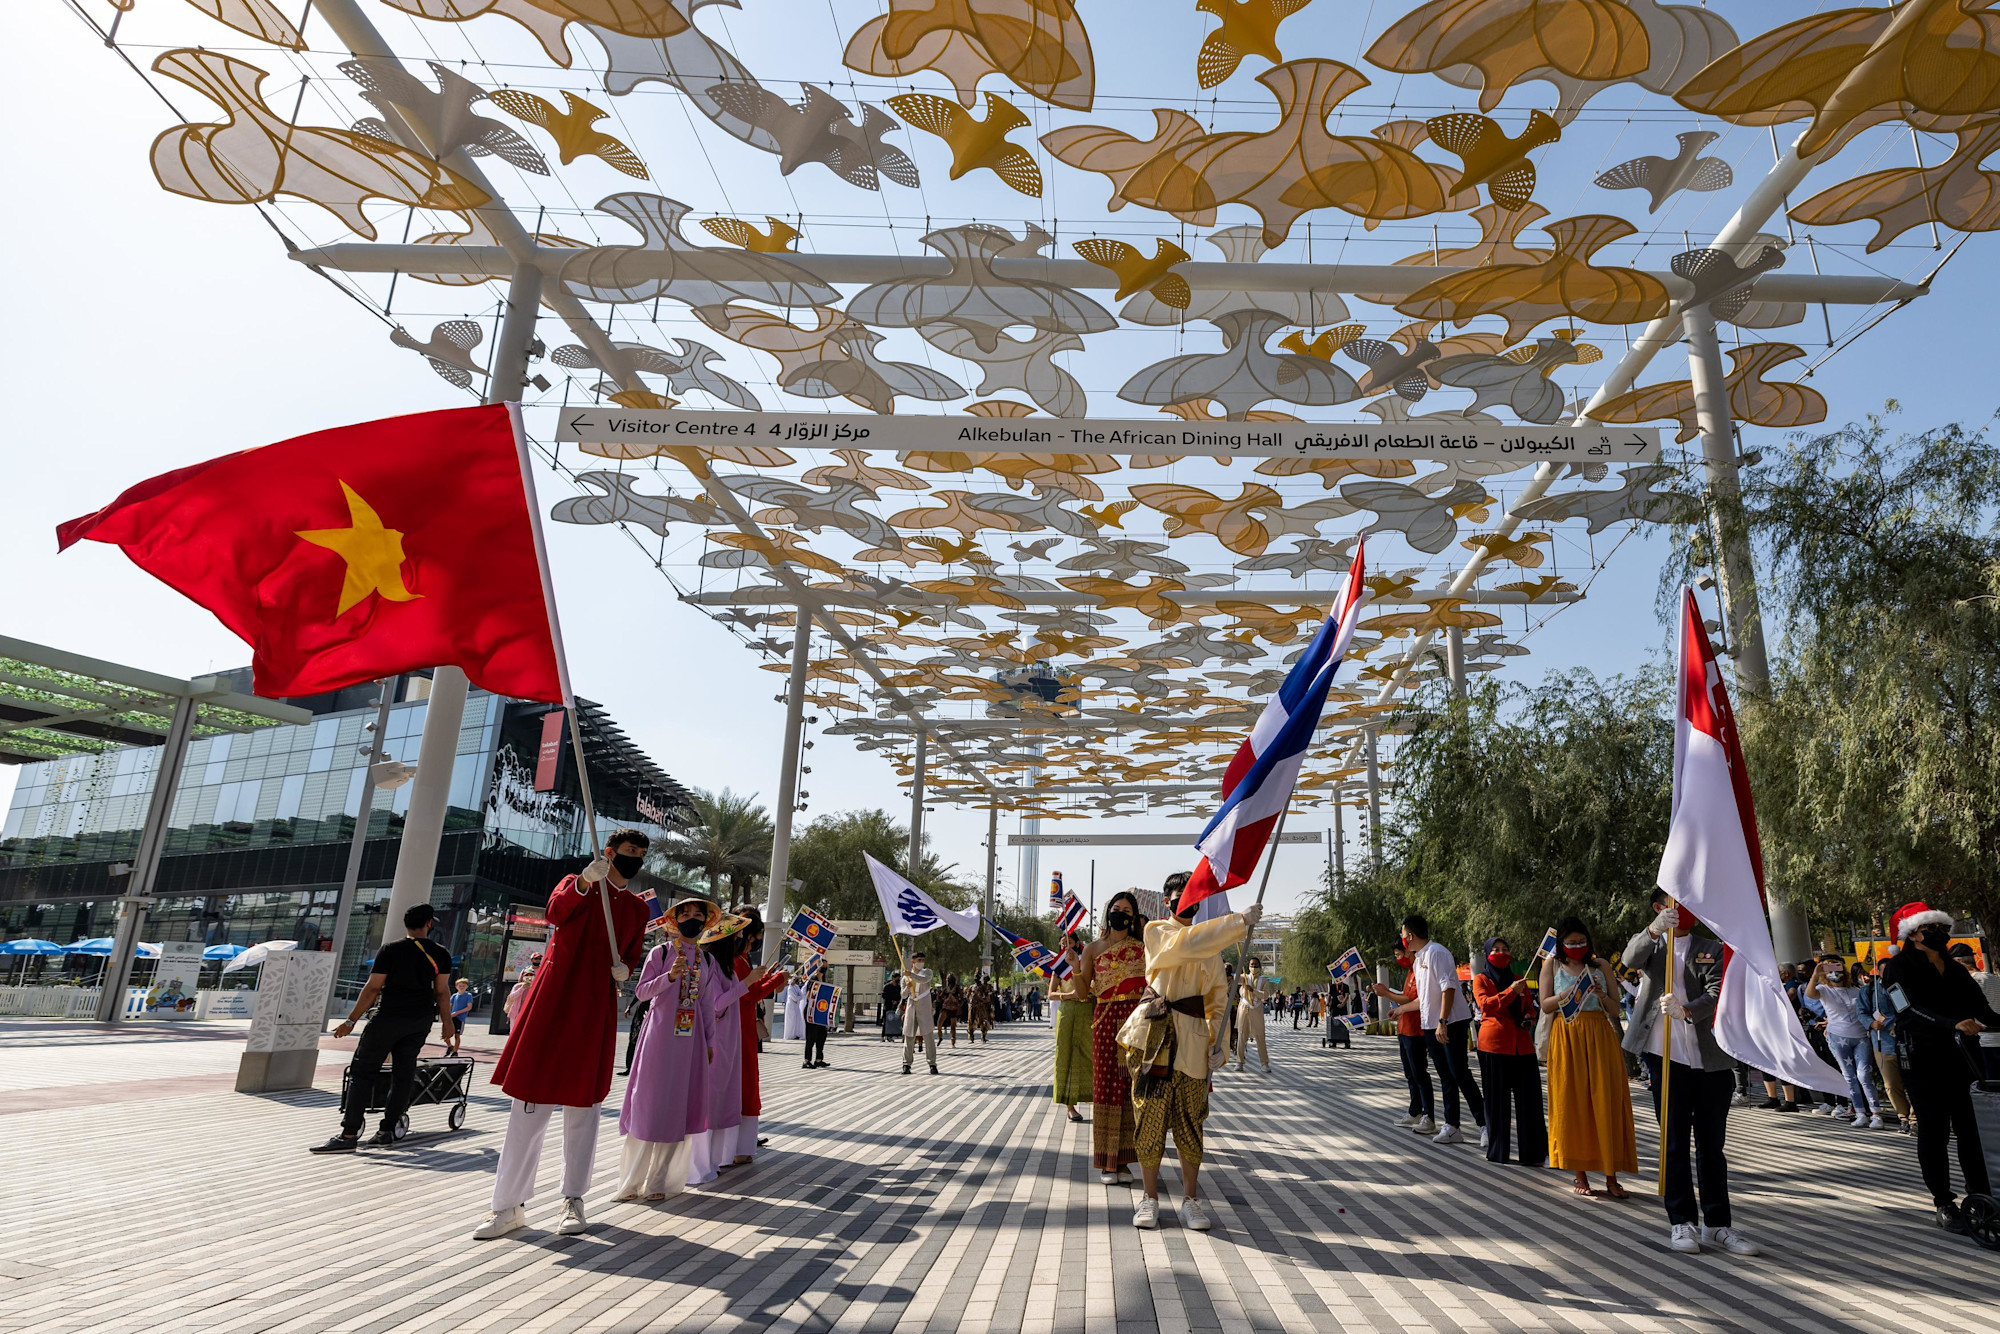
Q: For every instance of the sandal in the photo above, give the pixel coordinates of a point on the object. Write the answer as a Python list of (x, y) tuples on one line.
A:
[(1617, 1192), (1581, 1188), (656, 1197), (1075, 1115)]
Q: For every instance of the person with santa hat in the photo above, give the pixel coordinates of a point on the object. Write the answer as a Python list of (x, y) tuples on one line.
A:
[(1937, 1001), (564, 1040)]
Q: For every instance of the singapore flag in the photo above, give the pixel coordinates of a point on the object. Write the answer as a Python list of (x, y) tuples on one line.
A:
[(1714, 867)]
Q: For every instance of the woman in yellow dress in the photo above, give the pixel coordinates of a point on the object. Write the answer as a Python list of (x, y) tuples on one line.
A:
[(1074, 1012), (1590, 1103)]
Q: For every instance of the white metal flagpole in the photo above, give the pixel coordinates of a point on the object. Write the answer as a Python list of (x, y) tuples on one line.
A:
[(618, 968)]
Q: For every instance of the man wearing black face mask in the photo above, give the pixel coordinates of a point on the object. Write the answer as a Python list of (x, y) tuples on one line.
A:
[(564, 1041), (1937, 1002)]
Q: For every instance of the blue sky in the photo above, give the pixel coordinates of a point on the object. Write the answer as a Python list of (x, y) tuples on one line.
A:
[(159, 331)]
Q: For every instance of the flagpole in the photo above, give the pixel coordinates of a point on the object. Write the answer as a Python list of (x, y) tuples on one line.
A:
[(562, 667), (1667, 1048)]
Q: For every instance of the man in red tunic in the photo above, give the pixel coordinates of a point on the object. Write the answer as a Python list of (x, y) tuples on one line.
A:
[(561, 1049)]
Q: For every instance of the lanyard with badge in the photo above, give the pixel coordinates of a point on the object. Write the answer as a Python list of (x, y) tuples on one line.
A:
[(690, 992)]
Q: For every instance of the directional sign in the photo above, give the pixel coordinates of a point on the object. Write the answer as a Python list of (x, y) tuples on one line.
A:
[(638, 432), (854, 928), (859, 958)]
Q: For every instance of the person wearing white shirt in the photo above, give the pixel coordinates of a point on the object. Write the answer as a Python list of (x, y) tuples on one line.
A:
[(918, 1021), (1447, 1020)]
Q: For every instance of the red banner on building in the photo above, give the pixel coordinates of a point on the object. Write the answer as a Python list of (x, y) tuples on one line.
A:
[(550, 753)]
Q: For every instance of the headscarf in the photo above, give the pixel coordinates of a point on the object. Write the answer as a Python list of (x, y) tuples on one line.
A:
[(1501, 978)]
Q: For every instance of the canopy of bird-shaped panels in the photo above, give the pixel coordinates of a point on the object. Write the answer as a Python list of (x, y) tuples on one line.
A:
[(1455, 213)]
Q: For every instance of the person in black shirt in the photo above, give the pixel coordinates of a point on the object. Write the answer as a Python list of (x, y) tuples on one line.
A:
[(1936, 1002), (412, 978)]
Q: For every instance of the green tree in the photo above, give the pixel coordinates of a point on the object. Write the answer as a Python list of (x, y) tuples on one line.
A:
[(1876, 761), (1505, 813), (726, 839)]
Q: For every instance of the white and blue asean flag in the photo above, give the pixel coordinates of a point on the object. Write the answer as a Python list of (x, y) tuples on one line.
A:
[(911, 912), (1346, 965), (1258, 784)]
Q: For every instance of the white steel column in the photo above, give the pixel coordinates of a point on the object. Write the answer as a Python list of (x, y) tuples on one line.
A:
[(344, 909), (1454, 661), (917, 810), (1735, 572), (138, 893), (1374, 806), (788, 789), (1339, 881), (992, 875)]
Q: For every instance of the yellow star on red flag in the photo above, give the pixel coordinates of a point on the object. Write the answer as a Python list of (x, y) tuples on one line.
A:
[(374, 554)]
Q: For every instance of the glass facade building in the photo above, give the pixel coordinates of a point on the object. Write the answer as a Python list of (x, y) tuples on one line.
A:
[(262, 824)]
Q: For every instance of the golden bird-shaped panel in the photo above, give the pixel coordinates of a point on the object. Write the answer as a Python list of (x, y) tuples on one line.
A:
[(255, 154), (571, 128), (1135, 272), (975, 143), (1566, 283), (1595, 40), (1752, 398), (778, 238), (1524, 550), (1249, 28), (1956, 192), (1041, 45), (1940, 57), (546, 19), (1491, 157)]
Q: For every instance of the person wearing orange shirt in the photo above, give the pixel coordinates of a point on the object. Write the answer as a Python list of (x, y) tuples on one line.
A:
[(1410, 1042), (1507, 1065)]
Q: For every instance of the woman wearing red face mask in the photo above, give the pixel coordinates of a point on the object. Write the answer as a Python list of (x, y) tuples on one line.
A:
[(1507, 1057), (1422, 1117), (1590, 1106)]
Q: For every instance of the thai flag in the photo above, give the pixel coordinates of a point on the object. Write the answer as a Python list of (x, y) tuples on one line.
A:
[(1071, 916), (1346, 965), (1258, 784), (1057, 965)]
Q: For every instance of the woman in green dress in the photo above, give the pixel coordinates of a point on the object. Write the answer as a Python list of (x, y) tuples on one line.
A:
[(1073, 1020)]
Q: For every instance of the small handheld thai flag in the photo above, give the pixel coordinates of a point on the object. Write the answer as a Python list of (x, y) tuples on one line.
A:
[(1548, 946), (1058, 966), (1070, 915), (1572, 1004), (811, 930), (825, 1005), (1346, 965), (1055, 891)]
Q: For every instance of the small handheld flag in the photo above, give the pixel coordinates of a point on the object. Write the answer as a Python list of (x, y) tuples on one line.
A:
[(1357, 1022), (812, 930), (825, 1005), (1069, 915), (1572, 1004), (1548, 946), (1055, 891), (654, 908), (1346, 965), (810, 975)]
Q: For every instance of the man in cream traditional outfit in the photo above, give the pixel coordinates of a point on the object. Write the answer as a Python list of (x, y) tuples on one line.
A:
[(1184, 984), (1256, 992)]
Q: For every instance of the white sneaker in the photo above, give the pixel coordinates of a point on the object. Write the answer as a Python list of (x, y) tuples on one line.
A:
[(1267, 1067), (1446, 1135), (1729, 1239), (1425, 1126), (1875, 1122), (1684, 1239), (1860, 1121), (572, 1217), (1147, 1215), (1107, 1178), (500, 1222), (1125, 1177), (1195, 1218), (1407, 1122), (1740, 1100), (1485, 1138)]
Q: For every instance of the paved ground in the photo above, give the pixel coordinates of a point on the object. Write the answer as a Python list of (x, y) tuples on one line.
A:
[(146, 1196)]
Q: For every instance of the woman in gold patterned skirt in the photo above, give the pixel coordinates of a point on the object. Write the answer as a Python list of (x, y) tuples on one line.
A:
[(1115, 964), (1073, 1015)]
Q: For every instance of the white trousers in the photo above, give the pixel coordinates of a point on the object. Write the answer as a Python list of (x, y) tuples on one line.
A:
[(745, 1145), (521, 1152), (652, 1169), (702, 1156)]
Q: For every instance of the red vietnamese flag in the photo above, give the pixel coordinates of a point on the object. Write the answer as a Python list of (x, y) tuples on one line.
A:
[(356, 553)]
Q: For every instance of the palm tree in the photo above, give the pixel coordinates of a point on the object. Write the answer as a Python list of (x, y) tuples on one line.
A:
[(727, 839)]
